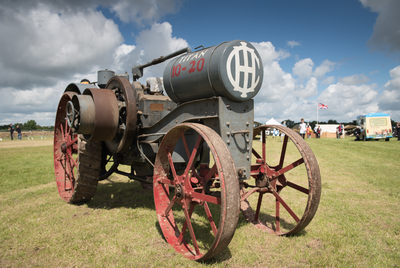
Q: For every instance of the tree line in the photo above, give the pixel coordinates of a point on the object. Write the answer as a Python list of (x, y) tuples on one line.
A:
[(291, 123), (28, 125)]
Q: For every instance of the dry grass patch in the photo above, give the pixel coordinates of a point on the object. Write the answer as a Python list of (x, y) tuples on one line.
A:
[(357, 223)]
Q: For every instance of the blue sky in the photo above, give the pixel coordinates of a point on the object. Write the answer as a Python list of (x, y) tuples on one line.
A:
[(343, 53)]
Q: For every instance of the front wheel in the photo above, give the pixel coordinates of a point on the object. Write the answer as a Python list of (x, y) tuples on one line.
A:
[(196, 191)]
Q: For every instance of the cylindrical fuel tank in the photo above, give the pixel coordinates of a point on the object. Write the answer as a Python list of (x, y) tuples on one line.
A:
[(232, 69), (103, 76)]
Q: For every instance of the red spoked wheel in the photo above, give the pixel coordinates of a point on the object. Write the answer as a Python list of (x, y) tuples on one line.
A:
[(76, 161), (196, 191), (285, 194)]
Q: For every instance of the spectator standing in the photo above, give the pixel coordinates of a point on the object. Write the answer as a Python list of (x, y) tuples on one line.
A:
[(11, 129), (357, 133), (309, 131), (342, 133), (18, 129), (338, 132), (318, 132), (303, 128), (398, 131)]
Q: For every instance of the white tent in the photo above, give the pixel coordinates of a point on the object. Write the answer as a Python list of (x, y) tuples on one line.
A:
[(272, 121)]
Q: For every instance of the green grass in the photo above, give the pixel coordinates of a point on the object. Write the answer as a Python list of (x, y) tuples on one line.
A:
[(357, 222)]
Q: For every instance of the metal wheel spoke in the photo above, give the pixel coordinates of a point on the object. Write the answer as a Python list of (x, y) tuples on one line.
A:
[(72, 142), (69, 168), (206, 198), (210, 173), (62, 130), (166, 190), (185, 144), (297, 187), (210, 218), (277, 217), (290, 166), (257, 155), (247, 194), (165, 181), (74, 162), (283, 152), (109, 159), (263, 144), (66, 132), (172, 166), (192, 156), (65, 171), (180, 238), (260, 196), (191, 231), (170, 205), (285, 206)]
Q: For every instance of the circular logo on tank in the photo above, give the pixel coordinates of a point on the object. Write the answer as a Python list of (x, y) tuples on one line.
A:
[(244, 70)]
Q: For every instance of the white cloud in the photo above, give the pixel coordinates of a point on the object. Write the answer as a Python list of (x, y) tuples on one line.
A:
[(293, 43), (276, 82), (143, 11), (147, 48), (346, 102), (389, 101), (50, 44), (303, 68), (43, 46), (138, 11), (325, 67), (328, 80), (354, 79), (386, 33), (309, 89)]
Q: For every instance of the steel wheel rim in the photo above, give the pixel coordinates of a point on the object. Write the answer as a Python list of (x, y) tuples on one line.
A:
[(65, 151), (279, 184), (184, 234)]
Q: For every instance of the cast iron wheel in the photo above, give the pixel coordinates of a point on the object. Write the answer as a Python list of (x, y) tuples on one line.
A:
[(197, 202), (293, 181), (76, 161)]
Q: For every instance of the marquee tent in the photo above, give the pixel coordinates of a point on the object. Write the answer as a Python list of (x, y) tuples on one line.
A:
[(272, 121)]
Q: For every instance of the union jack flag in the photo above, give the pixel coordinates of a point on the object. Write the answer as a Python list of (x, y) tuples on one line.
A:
[(322, 106)]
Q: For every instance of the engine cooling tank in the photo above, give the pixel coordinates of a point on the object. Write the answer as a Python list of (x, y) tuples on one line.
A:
[(232, 69)]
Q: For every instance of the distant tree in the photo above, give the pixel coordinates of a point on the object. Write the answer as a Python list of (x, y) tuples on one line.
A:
[(30, 125), (289, 123), (331, 121), (312, 124)]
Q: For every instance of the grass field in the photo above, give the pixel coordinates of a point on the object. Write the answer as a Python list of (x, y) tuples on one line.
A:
[(357, 223)]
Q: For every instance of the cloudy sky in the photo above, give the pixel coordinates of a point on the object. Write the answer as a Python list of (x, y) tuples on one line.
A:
[(342, 53)]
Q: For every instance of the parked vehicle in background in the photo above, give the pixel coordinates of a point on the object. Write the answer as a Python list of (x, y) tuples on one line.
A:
[(375, 126)]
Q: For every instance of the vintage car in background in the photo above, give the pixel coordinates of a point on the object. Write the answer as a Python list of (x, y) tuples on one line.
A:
[(375, 126)]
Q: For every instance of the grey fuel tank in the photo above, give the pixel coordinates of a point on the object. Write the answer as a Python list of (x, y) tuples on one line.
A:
[(232, 69)]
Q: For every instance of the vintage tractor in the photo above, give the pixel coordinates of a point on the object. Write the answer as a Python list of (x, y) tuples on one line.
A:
[(195, 147)]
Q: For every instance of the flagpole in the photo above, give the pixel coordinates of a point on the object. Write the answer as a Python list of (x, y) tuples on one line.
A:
[(317, 113)]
